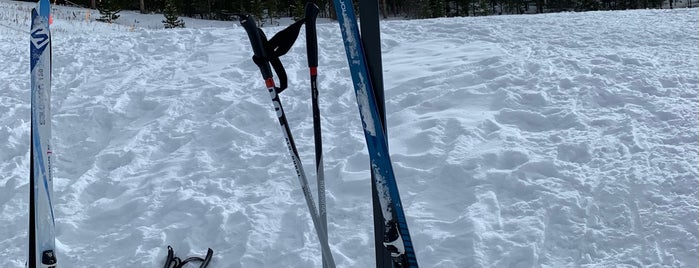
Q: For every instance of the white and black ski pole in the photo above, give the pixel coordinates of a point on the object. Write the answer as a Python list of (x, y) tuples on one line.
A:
[(262, 60)]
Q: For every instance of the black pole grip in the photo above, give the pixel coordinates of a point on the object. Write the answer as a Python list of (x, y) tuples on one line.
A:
[(258, 47), (311, 37)]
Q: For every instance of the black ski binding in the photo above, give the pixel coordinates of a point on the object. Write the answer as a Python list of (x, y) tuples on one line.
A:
[(48, 259), (175, 262)]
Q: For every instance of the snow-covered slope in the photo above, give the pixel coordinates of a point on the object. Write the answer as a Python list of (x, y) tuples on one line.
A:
[(557, 140)]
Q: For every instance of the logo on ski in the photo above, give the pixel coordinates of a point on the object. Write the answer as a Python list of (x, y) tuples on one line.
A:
[(40, 38)]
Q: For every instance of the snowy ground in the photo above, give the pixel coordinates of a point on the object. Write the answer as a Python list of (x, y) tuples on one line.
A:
[(557, 140)]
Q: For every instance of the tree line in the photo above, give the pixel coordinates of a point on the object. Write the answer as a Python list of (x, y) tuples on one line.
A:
[(224, 9)]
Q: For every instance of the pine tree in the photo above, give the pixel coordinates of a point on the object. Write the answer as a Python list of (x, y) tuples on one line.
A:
[(587, 5), (423, 9), (271, 7), (109, 10), (171, 15), (437, 8), (483, 8), (257, 9), (299, 9)]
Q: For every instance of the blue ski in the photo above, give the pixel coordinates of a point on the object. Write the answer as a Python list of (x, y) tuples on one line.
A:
[(42, 245), (397, 237)]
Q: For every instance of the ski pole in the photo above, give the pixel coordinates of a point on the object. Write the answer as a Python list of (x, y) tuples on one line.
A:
[(312, 53), (262, 61)]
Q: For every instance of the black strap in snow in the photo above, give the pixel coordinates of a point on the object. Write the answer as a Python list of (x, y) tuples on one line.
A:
[(175, 262)]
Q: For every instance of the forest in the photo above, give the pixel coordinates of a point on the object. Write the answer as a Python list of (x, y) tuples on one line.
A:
[(410, 9)]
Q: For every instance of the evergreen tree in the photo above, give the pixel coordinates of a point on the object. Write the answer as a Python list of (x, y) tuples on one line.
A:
[(437, 8), (109, 10), (483, 8), (257, 9), (423, 10), (299, 9), (587, 5), (171, 14), (267, 11), (271, 6)]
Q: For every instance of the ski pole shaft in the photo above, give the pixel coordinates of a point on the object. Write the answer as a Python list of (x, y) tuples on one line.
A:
[(301, 174), (312, 54)]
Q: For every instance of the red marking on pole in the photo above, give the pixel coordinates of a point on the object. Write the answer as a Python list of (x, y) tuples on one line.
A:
[(314, 70), (269, 82)]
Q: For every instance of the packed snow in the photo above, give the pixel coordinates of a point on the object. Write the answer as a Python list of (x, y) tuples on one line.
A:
[(556, 140)]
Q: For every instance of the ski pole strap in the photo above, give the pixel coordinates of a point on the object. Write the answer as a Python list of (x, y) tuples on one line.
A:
[(175, 262), (267, 52)]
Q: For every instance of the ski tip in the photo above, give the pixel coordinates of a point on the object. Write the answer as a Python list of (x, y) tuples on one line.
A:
[(44, 8), (37, 21)]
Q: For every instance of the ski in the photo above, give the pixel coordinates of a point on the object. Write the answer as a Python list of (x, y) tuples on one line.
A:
[(42, 242), (396, 237), (267, 52), (371, 41)]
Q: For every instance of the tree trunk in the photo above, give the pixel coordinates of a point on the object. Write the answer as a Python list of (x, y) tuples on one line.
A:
[(540, 6), (93, 4), (143, 6)]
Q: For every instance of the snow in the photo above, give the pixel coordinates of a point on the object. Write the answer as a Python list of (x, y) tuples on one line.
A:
[(556, 140)]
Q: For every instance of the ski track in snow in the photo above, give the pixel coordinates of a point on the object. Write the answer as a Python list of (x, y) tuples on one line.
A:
[(557, 140)]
